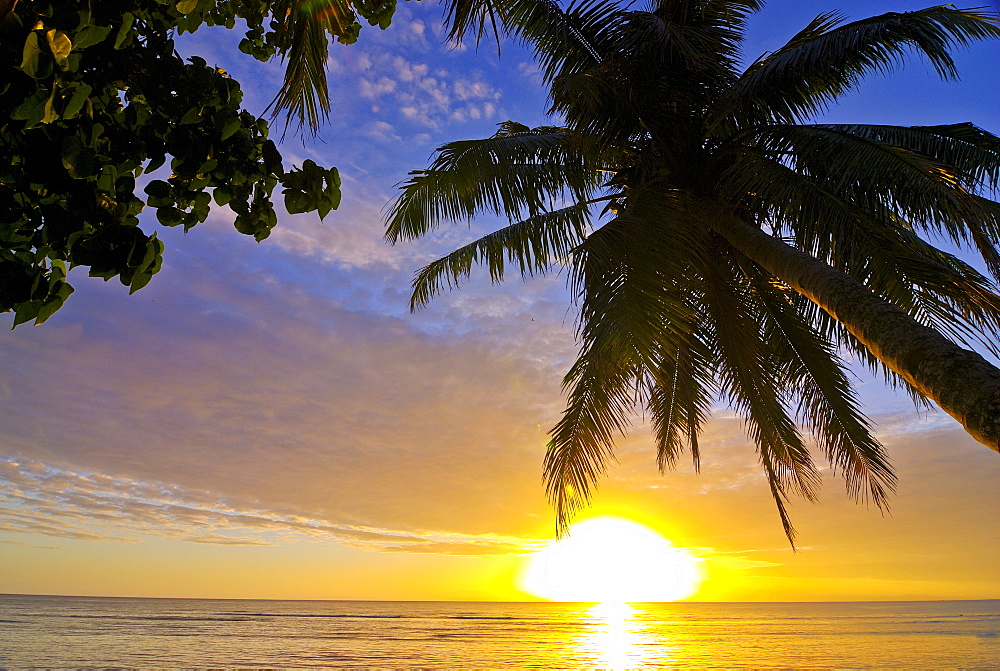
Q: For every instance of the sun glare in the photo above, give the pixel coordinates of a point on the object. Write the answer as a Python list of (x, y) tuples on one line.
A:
[(612, 559)]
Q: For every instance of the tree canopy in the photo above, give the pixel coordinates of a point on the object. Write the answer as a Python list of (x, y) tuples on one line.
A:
[(94, 95), (722, 245)]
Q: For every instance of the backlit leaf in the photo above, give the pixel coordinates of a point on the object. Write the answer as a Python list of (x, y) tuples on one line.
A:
[(34, 61), (60, 46)]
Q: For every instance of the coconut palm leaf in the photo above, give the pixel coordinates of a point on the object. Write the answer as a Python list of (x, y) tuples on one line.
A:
[(632, 286), (303, 41), (971, 151), (680, 395), (874, 174), (748, 377), (834, 221), (532, 246), (828, 58), (517, 173), (827, 403), (601, 395), (629, 326), (301, 35), (933, 286), (565, 39)]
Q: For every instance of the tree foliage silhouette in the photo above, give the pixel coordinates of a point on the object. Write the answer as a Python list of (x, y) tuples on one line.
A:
[(95, 95)]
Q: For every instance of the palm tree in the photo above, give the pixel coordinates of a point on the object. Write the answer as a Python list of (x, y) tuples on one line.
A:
[(718, 244)]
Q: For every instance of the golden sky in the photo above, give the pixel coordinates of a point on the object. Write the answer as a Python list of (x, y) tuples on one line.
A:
[(268, 421)]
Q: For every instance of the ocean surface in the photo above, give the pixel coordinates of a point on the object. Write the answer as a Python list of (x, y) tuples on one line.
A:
[(49, 631)]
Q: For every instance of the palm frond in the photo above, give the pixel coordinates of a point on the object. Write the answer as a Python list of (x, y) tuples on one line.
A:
[(748, 377), (878, 248), (567, 40), (631, 281), (703, 35), (660, 40), (861, 214), (828, 404), (823, 222), (875, 174), (828, 327), (630, 323), (894, 182), (952, 296), (601, 399), (517, 173), (830, 57), (564, 39), (973, 152), (986, 242), (680, 395), (303, 40), (532, 245), (475, 16), (595, 104)]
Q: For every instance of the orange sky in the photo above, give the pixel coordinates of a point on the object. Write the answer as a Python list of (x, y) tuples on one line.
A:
[(464, 526)]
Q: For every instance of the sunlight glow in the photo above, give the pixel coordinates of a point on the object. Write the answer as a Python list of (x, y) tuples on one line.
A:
[(617, 641), (612, 560)]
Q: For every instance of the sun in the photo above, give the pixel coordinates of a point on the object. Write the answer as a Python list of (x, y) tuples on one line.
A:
[(612, 559)]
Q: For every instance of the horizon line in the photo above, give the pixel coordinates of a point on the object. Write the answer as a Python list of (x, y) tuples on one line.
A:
[(536, 601)]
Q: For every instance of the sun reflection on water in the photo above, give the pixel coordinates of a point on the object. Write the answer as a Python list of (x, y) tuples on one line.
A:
[(618, 638)]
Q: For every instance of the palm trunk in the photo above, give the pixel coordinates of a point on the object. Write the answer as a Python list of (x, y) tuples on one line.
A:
[(961, 382)]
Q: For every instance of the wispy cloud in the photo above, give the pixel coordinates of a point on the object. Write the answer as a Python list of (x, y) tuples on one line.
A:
[(31, 545), (40, 499), (425, 96), (201, 404)]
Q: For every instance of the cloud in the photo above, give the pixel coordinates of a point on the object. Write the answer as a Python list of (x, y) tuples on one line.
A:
[(410, 89), (531, 72), (224, 396), (374, 89), (293, 388), (314, 407), (32, 545), (39, 499)]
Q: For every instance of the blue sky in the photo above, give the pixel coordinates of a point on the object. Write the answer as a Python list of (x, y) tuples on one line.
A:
[(268, 410)]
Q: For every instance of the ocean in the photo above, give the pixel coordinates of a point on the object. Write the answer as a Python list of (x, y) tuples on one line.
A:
[(50, 631)]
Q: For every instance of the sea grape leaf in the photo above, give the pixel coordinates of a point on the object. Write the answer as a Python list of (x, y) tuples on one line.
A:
[(35, 62), (60, 46), (80, 95)]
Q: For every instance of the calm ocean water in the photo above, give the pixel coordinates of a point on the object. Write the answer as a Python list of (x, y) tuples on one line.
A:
[(47, 631)]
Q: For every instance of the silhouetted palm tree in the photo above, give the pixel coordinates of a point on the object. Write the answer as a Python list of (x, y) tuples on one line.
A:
[(721, 246)]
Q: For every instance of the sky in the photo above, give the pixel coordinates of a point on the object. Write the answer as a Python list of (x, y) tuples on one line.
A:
[(270, 421)]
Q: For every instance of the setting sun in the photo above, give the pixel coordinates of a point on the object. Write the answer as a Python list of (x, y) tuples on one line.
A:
[(611, 559)]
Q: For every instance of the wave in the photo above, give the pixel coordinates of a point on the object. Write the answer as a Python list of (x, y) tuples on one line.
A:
[(225, 617), (388, 616), (326, 615), (481, 617)]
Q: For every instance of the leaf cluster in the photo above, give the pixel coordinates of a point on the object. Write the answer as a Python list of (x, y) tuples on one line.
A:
[(95, 96)]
